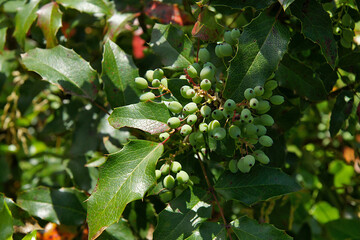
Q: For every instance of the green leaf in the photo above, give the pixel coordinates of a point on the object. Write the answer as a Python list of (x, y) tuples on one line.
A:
[(125, 177), (6, 221), (150, 117), (118, 74), (316, 25), (249, 229), (117, 231), (3, 30), (24, 19), (62, 206), (30, 236), (20, 216), (209, 230), (64, 68), (301, 79), (174, 85), (49, 20), (99, 7), (174, 48), (341, 229), (260, 184), (323, 212), (261, 47), (285, 3), (206, 28), (259, 4), (341, 111), (117, 23), (183, 215)]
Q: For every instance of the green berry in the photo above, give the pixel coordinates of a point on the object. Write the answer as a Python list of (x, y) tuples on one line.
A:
[(185, 130), (148, 96), (190, 108), (190, 93), (250, 119), (166, 196), (235, 34), (204, 55), (191, 120), (182, 177), (157, 174), (228, 39), (254, 103), (197, 67), (249, 93), (149, 75), (244, 168), (175, 107), (218, 133), (226, 49), (227, 114), (345, 43), (217, 114), (164, 82), (164, 136), (207, 73), (266, 141), (261, 130), (245, 114), (348, 34), (267, 94), (263, 106), (158, 73), (203, 127), (261, 157), (253, 139), (196, 139), (267, 120), (141, 83), (169, 182), (346, 20), (259, 90), (205, 111), (277, 99), (209, 64), (230, 105), (250, 129), (173, 122), (213, 125), (191, 71), (205, 84), (271, 85), (165, 169), (233, 166), (217, 51), (156, 83), (249, 160), (183, 90), (197, 98), (175, 167), (234, 132)]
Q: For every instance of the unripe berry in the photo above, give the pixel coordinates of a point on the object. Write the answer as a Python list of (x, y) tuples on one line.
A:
[(158, 73), (217, 114), (267, 120), (250, 129), (197, 98), (203, 127), (164, 136), (267, 94), (182, 177), (183, 90), (226, 49), (191, 120), (230, 105), (196, 139), (263, 107), (190, 93), (164, 82), (141, 83), (157, 174), (148, 96), (271, 85), (205, 84), (210, 64), (175, 107), (217, 51), (261, 130), (254, 103), (249, 160), (169, 182), (192, 71), (185, 130), (253, 139), (204, 55), (213, 124), (197, 67), (259, 90), (190, 108), (244, 168), (205, 111), (250, 119), (227, 114), (249, 93), (173, 122), (245, 114), (234, 132), (175, 167), (233, 166), (235, 34), (218, 133), (165, 169), (277, 99), (261, 157), (166, 196), (207, 73), (149, 75), (266, 141), (228, 39), (156, 83)]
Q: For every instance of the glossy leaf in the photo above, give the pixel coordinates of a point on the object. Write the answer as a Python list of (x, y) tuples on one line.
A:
[(20, 216), (260, 184), (285, 3), (341, 111), (64, 68), (343, 229), (30, 236), (118, 231), (206, 28), (249, 229), (125, 177), (209, 230), (173, 47), (301, 79), (88, 6), (183, 215), (117, 23), (118, 74), (6, 221), (259, 4), (317, 26), (261, 47), (49, 20), (24, 19), (62, 206), (147, 116)]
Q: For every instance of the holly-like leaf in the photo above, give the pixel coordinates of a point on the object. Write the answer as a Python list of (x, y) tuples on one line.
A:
[(147, 116), (6, 221), (125, 177), (62, 206), (249, 229), (285, 3), (183, 215), (341, 111), (343, 229), (209, 230), (258, 4), (24, 19), (316, 25), (118, 74), (64, 68), (117, 23), (99, 7), (118, 231), (206, 28), (298, 77), (174, 48), (49, 20), (261, 183), (261, 47)]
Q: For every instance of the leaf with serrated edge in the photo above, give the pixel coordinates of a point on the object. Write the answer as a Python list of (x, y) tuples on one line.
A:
[(183, 215), (316, 25), (261, 183), (261, 47), (125, 177), (174, 48), (118, 74), (147, 116), (88, 6), (249, 229), (65, 68), (49, 20), (285, 3)]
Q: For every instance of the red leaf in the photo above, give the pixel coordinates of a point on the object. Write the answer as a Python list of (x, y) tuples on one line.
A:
[(138, 47), (206, 28)]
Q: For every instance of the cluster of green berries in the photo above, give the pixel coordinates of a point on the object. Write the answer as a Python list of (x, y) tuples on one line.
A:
[(157, 80), (345, 28), (225, 48)]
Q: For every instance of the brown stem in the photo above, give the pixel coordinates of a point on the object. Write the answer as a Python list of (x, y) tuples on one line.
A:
[(101, 107), (211, 189)]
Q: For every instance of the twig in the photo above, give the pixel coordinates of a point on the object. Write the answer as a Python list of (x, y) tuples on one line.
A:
[(101, 107)]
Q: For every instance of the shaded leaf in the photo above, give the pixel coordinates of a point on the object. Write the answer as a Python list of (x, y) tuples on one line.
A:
[(259, 4), (317, 26), (24, 19), (183, 215), (49, 20), (209, 230), (206, 28), (20, 216), (174, 48), (116, 24), (88, 6), (249, 229), (174, 84), (64, 68), (6, 221), (62, 206), (150, 117), (341, 111), (117, 231), (260, 184), (125, 177), (343, 229), (301, 79), (285, 3), (261, 47), (118, 74), (3, 30)]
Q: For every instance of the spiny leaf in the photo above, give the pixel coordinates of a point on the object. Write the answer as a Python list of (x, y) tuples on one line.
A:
[(285, 3), (206, 28), (209, 230)]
